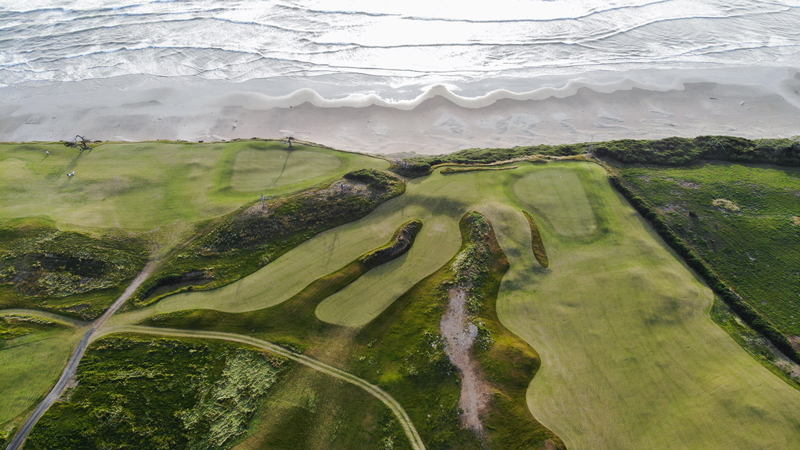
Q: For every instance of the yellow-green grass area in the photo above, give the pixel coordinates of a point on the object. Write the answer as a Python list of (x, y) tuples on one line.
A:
[(630, 356), (29, 367), (150, 184)]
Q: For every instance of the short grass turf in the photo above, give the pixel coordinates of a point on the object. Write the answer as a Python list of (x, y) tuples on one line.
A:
[(30, 365), (741, 219), (149, 184)]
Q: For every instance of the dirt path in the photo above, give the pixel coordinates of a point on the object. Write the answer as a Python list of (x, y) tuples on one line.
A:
[(400, 413), (75, 359), (460, 335)]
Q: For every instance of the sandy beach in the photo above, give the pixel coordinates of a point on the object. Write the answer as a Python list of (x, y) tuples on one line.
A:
[(136, 108)]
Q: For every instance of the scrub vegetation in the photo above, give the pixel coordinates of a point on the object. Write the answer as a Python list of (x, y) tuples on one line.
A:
[(68, 272), (147, 393)]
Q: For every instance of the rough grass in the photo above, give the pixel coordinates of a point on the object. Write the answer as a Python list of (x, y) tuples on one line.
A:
[(740, 219), (13, 326), (148, 393), (69, 272), (402, 351), (151, 184), (537, 244)]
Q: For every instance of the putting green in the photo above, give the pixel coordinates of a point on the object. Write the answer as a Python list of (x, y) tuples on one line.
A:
[(272, 168), (147, 185)]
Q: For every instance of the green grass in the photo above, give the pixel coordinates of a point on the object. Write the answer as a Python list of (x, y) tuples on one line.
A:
[(451, 170), (754, 248), (309, 410), (402, 351), (29, 367), (14, 326), (630, 357), (151, 184), (148, 393)]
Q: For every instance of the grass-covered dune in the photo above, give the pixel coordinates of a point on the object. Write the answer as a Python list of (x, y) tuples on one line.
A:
[(616, 311), (240, 243), (135, 392), (68, 272)]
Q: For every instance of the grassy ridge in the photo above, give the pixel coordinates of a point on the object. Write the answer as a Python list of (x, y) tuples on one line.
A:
[(402, 351), (13, 326), (726, 265), (68, 272), (293, 323), (537, 244), (250, 238), (670, 151), (147, 393)]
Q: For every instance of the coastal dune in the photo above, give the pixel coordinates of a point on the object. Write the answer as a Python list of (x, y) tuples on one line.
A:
[(138, 108)]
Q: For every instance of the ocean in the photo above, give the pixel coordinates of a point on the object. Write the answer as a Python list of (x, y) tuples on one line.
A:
[(365, 52)]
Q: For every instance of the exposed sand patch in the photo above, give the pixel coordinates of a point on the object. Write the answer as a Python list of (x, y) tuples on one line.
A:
[(460, 335)]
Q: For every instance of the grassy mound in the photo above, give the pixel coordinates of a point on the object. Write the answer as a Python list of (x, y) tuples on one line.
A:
[(147, 393), (674, 151), (72, 273), (536, 242), (242, 242), (403, 352)]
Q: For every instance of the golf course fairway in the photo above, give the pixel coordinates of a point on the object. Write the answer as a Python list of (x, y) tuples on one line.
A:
[(630, 357)]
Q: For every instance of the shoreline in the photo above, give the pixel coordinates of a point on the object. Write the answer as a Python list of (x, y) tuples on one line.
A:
[(438, 121)]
